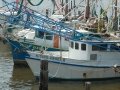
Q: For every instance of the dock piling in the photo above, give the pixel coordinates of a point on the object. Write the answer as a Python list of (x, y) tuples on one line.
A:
[(87, 85), (43, 75)]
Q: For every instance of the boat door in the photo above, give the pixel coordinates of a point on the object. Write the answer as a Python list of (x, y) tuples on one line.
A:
[(56, 41)]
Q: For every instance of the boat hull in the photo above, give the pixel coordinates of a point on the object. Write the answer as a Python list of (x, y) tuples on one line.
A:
[(19, 49), (67, 71)]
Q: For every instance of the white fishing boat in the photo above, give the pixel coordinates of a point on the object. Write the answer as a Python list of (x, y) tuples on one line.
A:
[(86, 59), (27, 39)]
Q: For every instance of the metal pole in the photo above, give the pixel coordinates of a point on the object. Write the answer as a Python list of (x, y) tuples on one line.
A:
[(87, 11), (74, 10), (66, 8), (115, 21)]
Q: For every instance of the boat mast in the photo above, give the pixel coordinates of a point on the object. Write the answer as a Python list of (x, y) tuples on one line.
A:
[(115, 20), (87, 10), (115, 9), (66, 7), (74, 10), (62, 5), (71, 5)]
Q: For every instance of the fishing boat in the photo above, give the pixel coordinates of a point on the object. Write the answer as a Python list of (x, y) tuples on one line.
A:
[(40, 23), (91, 57), (35, 41)]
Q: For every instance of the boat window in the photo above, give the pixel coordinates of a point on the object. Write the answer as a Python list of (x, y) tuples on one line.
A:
[(72, 45), (103, 47), (76, 45), (36, 33), (99, 47), (83, 46), (114, 47), (39, 34), (49, 36), (95, 48)]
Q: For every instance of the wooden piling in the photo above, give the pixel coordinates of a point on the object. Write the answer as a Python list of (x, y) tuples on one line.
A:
[(43, 75), (87, 85)]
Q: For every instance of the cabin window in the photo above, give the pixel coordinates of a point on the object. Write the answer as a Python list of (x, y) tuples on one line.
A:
[(95, 48), (76, 46), (36, 33), (83, 47), (99, 47), (39, 34), (72, 45), (113, 47), (103, 47), (49, 36)]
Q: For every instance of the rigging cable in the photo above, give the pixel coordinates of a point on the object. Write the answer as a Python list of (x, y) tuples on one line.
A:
[(20, 8)]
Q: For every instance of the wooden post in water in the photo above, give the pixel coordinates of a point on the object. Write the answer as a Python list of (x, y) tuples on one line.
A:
[(44, 75), (87, 85)]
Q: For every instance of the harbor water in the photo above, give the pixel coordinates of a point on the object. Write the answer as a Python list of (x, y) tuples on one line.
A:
[(21, 78)]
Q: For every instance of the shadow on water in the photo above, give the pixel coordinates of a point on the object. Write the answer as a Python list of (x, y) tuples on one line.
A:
[(22, 78)]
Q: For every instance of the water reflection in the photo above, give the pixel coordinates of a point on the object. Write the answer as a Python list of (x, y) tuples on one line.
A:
[(6, 68), (95, 85), (22, 78)]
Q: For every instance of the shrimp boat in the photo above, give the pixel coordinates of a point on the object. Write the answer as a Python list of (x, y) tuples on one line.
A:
[(87, 59), (28, 18), (35, 40)]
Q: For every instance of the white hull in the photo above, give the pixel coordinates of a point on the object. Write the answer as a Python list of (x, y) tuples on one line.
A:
[(66, 70)]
